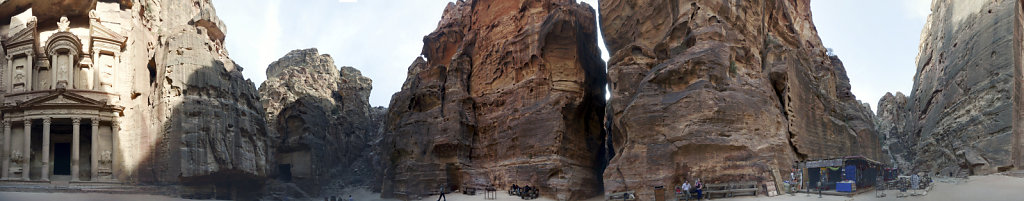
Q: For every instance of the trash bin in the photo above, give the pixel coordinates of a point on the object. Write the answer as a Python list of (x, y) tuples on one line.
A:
[(659, 193)]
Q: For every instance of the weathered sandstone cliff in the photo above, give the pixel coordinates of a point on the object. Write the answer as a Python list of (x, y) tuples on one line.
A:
[(323, 121), (189, 107), (890, 121), (1018, 84), (723, 91), (506, 92), (959, 117)]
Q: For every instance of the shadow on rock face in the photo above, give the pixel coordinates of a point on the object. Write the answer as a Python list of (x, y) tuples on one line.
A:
[(213, 141), (322, 153)]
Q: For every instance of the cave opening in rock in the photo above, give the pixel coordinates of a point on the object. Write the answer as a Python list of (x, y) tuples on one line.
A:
[(152, 71)]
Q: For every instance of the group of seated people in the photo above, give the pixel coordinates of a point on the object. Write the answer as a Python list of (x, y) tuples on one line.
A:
[(525, 192), (688, 190)]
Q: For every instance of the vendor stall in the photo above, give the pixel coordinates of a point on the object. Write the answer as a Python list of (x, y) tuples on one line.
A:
[(845, 174)]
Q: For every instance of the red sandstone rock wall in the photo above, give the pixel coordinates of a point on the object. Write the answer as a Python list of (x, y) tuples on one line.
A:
[(723, 91), (506, 92)]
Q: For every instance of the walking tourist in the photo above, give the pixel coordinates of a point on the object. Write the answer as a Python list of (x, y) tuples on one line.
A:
[(442, 194)]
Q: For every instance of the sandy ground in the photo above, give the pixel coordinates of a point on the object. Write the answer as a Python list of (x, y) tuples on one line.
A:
[(364, 195), (991, 187)]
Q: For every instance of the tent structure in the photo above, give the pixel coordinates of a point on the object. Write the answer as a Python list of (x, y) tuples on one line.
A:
[(826, 173)]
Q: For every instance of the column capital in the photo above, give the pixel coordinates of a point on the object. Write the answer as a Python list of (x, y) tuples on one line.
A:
[(7, 123), (115, 122), (47, 121), (76, 120), (95, 121), (28, 122)]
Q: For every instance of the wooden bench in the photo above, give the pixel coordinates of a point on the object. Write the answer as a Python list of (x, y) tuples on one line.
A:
[(716, 189), (743, 188), (730, 189), (469, 190), (686, 195), (628, 195)]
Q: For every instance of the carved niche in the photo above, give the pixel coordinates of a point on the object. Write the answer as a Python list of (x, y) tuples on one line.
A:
[(19, 73), (105, 66)]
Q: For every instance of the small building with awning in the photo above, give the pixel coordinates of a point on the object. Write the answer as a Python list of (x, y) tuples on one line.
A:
[(846, 173)]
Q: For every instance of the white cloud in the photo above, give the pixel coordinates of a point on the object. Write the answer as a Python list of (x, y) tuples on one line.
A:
[(348, 1)]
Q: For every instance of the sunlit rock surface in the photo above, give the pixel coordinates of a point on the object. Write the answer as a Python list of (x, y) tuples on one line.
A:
[(723, 91), (958, 119), (506, 92)]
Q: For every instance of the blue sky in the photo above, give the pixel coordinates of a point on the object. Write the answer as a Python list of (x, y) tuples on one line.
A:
[(876, 39)]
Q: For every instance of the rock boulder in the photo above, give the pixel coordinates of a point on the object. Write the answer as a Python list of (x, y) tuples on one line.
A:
[(323, 122)]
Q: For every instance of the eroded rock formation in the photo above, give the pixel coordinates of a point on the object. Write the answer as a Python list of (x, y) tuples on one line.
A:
[(190, 105), (959, 116), (891, 123), (506, 92), (723, 91), (323, 120), (1018, 84)]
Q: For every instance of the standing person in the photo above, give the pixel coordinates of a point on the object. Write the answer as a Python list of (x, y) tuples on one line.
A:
[(699, 187), (800, 184), (350, 198)]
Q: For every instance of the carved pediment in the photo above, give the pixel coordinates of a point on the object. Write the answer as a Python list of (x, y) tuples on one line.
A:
[(62, 97), (24, 37), (99, 32)]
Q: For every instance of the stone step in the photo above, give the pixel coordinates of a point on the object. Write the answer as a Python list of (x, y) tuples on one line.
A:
[(64, 184), (78, 187)]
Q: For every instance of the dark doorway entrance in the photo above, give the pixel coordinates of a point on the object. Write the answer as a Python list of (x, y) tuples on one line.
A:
[(285, 171), (62, 159)]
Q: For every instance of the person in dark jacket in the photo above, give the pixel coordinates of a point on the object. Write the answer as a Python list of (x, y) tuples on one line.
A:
[(442, 194), (699, 187)]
